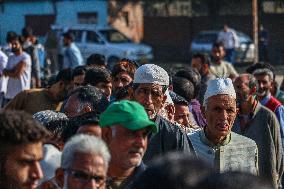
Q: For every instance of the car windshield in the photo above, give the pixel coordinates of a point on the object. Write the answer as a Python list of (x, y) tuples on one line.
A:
[(114, 36), (206, 38)]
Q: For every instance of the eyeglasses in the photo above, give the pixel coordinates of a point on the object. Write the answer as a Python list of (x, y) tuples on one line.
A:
[(85, 177)]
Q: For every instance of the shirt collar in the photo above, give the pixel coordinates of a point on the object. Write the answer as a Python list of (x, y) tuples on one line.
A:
[(265, 99), (206, 141)]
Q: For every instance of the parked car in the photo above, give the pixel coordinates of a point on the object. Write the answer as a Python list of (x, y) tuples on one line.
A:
[(105, 40), (204, 40)]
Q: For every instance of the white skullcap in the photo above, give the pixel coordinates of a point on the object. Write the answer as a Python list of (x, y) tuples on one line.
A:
[(219, 86), (151, 73), (169, 99)]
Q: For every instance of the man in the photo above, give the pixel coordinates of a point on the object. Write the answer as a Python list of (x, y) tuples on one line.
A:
[(88, 123), (259, 124), (35, 100), (84, 163), (216, 144), (150, 84), (18, 70), (219, 67), (78, 76), (125, 130), (3, 79), (201, 63), (229, 38), (100, 78), (265, 76), (20, 151), (96, 60), (85, 99), (72, 55), (192, 76), (182, 115), (27, 35)]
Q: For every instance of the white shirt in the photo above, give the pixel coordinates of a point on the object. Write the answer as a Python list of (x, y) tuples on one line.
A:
[(229, 39), (3, 79), (16, 85)]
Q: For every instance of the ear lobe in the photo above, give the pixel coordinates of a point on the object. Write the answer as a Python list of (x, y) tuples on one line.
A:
[(59, 177), (106, 134)]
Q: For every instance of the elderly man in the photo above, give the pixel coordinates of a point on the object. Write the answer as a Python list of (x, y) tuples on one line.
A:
[(125, 130), (84, 163), (150, 84), (20, 151), (258, 123), (216, 144)]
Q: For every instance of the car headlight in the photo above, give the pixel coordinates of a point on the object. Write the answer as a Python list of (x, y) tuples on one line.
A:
[(251, 46), (243, 46)]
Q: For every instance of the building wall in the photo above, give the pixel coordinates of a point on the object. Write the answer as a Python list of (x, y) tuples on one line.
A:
[(12, 16)]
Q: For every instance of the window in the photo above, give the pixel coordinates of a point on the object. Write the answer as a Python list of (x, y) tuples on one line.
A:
[(87, 17), (92, 37), (39, 23), (78, 35)]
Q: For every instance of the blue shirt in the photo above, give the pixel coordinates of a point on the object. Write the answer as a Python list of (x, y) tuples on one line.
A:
[(72, 57)]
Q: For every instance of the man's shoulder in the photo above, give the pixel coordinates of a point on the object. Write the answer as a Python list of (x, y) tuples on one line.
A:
[(166, 124), (240, 139)]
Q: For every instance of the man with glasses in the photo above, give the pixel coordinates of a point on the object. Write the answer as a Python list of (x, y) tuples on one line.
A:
[(150, 84), (84, 163)]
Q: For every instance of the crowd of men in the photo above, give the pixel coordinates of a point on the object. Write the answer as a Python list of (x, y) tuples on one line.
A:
[(136, 126)]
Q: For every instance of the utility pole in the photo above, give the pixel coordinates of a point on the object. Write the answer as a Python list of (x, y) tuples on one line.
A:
[(255, 28)]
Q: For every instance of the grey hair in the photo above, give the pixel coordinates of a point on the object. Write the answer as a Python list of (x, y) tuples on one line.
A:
[(265, 71), (83, 143)]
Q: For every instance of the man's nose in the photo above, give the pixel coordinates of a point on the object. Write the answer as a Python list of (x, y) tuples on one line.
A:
[(37, 171), (92, 184)]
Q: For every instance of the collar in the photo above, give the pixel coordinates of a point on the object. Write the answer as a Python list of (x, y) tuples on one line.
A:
[(265, 99), (206, 141)]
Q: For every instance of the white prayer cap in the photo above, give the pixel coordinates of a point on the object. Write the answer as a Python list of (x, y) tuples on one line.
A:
[(169, 99), (219, 86), (151, 73)]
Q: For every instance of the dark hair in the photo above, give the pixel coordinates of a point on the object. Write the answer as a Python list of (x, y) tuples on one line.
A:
[(10, 36), (86, 119), (96, 59), (93, 96), (69, 35), (172, 171), (177, 99), (203, 57), (193, 76), (79, 70), (233, 180), (218, 45), (184, 88), (27, 32), (124, 65), (64, 75), (96, 75)]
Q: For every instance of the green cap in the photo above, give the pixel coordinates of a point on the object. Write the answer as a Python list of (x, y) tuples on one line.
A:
[(129, 114)]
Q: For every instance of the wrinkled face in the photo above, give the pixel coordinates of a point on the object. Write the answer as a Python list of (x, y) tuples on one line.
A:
[(127, 147), (91, 129), (21, 168), (151, 96), (87, 171), (264, 85), (220, 115), (105, 87), (182, 115), (197, 64), (120, 80), (242, 89), (78, 81), (218, 53)]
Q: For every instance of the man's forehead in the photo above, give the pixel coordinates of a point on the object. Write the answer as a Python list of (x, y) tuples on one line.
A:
[(221, 98), (29, 150)]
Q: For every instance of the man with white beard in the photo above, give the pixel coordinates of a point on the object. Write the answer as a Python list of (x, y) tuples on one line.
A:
[(125, 130), (84, 163)]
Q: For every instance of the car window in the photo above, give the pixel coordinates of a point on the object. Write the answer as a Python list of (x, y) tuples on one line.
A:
[(78, 35), (92, 37), (244, 38), (114, 36), (206, 38)]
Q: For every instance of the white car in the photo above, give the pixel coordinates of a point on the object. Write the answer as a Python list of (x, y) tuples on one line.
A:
[(107, 41), (204, 40)]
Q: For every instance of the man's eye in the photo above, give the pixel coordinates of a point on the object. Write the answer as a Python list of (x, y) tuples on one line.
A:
[(81, 175)]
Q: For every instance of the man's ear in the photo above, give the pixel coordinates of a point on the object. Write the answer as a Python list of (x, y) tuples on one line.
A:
[(164, 100), (106, 134), (59, 177), (130, 93)]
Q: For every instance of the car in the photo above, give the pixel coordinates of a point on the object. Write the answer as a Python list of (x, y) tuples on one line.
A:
[(105, 40), (204, 40)]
